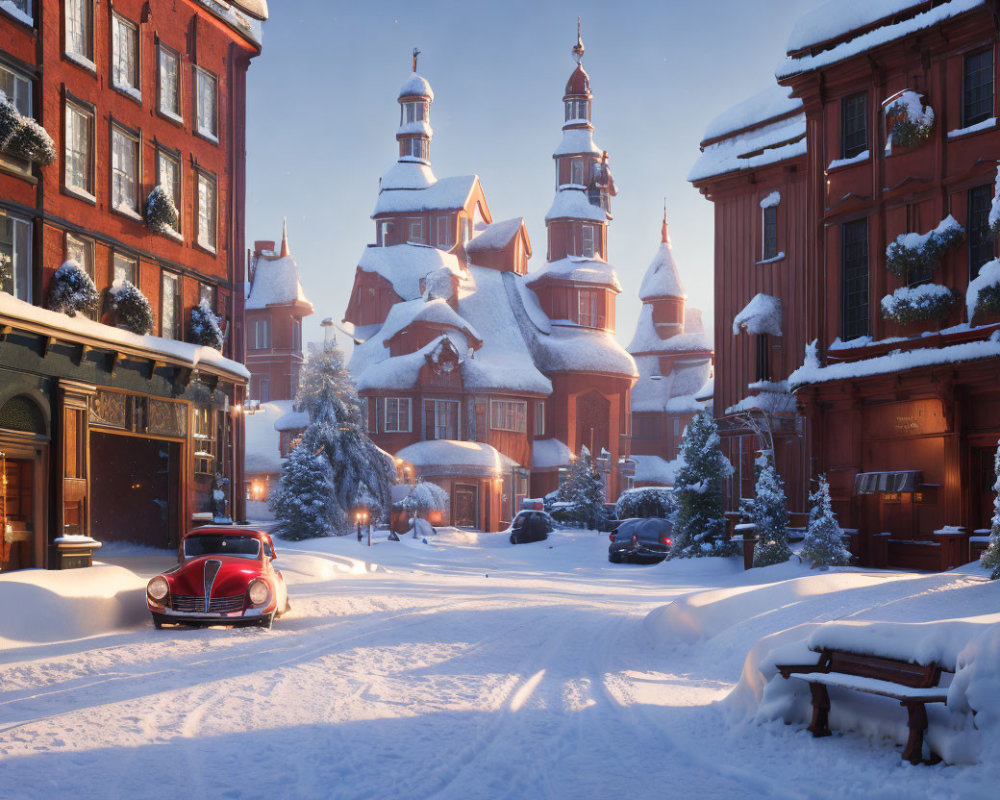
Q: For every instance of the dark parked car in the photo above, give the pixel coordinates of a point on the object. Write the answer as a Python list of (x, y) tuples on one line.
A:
[(530, 526), (641, 541)]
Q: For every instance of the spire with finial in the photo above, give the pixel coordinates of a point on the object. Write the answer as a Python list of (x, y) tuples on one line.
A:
[(664, 236), (284, 252), (416, 52), (578, 47)]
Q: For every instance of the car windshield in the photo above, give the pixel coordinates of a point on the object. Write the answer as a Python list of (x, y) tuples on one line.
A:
[(220, 544)]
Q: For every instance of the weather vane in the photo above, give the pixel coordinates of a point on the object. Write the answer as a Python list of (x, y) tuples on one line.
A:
[(416, 52), (578, 47)]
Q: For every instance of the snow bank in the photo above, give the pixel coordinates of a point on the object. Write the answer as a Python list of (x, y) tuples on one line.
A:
[(451, 454)]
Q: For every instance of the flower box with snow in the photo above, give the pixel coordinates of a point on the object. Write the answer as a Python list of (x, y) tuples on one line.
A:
[(72, 290), (22, 137), (131, 309), (908, 120), (929, 301), (913, 256), (204, 328)]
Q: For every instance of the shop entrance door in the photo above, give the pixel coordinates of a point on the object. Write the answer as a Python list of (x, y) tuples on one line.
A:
[(466, 506), (134, 489)]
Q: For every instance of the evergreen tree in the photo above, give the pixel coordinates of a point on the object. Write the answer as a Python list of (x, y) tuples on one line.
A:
[(131, 308), (354, 471), (769, 513), (583, 491), (823, 545), (204, 326), (990, 558), (302, 502), (72, 290), (700, 527)]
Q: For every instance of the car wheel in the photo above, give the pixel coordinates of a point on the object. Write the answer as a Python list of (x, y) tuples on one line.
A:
[(512, 539), (157, 624)]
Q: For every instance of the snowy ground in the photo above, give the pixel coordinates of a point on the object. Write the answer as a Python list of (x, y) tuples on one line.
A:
[(464, 668)]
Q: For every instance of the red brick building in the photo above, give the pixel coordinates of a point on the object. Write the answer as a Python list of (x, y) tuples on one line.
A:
[(108, 433), (891, 176), (484, 377)]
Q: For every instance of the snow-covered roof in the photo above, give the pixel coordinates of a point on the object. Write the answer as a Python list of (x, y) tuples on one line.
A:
[(292, 421), (662, 278), (262, 450), (549, 453), (403, 265), (129, 344), (674, 391), (770, 402), (579, 270), (769, 144), (775, 101), (407, 175), (571, 202), (495, 236), (416, 86), (577, 140), (276, 282), (402, 315), (646, 340), (435, 453), (761, 315), (255, 8), (418, 126), (653, 469), (442, 195), (838, 18)]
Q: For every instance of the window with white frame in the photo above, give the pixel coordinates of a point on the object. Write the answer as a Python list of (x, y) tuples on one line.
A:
[(124, 171), (168, 175), (587, 308), (170, 82), (79, 21), (79, 149), (416, 230), (509, 415), (260, 334), (441, 419), (206, 88), (416, 147), (539, 418), (397, 415), (207, 220), (125, 56), (125, 269), (17, 88), (444, 238), (384, 232), (169, 299), (413, 112), (15, 257), (577, 109), (81, 251), (589, 234)]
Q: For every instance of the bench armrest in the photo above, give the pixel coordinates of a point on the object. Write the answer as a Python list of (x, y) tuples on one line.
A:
[(786, 670)]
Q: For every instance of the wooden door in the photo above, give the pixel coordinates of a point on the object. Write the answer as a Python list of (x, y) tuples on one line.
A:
[(17, 505), (466, 506)]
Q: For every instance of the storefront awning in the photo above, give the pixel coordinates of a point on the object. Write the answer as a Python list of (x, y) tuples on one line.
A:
[(887, 482)]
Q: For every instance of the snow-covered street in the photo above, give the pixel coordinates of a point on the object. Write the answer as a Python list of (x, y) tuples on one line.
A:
[(459, 669)]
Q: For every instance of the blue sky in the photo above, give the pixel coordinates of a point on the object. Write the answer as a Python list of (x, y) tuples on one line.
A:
[(322, 117)]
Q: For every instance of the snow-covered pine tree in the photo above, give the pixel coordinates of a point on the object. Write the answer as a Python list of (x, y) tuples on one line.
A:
[(204, 328), (302, 503), (583, 491), (355, 472), (823, 545), (131, 307), (426, 497), (769, 513), (700, 527), (990, 558), (161, 213), (72, 290)]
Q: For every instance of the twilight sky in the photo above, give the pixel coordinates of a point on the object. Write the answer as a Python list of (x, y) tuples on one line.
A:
[(323, 114)]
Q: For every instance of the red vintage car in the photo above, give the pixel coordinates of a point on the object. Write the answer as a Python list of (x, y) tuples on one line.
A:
[(225, 577)]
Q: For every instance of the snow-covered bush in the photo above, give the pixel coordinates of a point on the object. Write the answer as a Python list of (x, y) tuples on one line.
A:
[(23, 137), (204, 328), (913, 256), (700, 526), (983, 294), (131, 308), (580, 498), (650, 501), (990, 558), (72, 290), (995, 206), (768, 511), (161, 213), (823, 546), (909, 120), (927, 301), (351, 470), (424, 498)]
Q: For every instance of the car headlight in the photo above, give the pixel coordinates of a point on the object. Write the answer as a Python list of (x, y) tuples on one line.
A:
[(158, 588), (258, 591)]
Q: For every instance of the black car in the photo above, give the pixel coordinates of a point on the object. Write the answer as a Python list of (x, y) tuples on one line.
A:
[(530, 526), (641, 541)]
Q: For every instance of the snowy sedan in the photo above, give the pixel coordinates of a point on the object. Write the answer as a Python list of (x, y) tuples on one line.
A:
[(225, 577), (642, 541), (530, 526)]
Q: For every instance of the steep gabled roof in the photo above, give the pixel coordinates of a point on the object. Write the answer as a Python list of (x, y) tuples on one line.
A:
[(446, 194), (495, 236), (403, 315), (276, 282)]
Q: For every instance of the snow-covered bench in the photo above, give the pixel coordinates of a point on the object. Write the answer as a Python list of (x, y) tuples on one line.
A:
[(913, 685)]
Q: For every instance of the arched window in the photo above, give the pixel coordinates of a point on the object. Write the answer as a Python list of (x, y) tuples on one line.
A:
[(22, 414)]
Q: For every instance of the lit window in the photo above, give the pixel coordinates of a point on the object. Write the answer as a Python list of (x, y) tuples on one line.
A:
[(207, 90), (206, 293), (444, 237), (170, 83), (79, 18), (124, 171), (441, 419), (588, 308), (207, 223), (81, 251), (125, 55), (79, 149), (509, 415), (168, 175), (125, 269), (15, 257), (169, 316), (397, 415)]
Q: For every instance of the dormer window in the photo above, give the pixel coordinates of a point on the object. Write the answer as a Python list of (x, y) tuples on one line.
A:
[(413, 112), (577, 109)]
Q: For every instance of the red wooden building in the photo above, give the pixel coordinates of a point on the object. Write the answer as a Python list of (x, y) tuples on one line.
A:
[(889, 224), (482, 376), (106, 433)]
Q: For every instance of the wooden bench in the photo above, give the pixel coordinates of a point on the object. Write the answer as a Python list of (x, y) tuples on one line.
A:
[(913, 685)]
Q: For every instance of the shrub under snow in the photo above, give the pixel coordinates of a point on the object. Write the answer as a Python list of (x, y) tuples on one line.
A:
[(649, 501), (581, 494), (768, 511), (72, 290), (161, 213), (983, 294), (823, 545), (927, 301), (424, 498), (914, 255), (990, 559), (23, 137), (131, 307), (204, 327)]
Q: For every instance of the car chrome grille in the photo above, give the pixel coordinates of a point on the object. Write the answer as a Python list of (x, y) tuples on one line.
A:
[(217, 605)]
